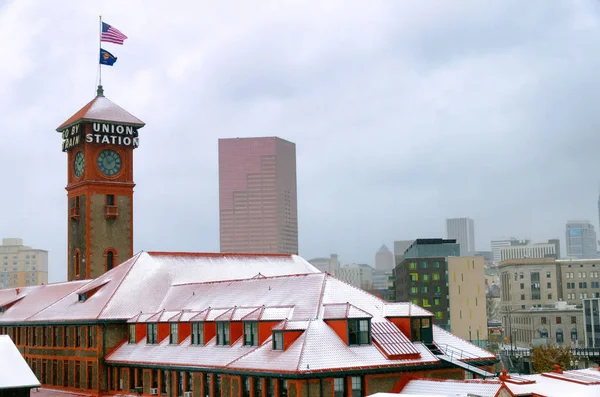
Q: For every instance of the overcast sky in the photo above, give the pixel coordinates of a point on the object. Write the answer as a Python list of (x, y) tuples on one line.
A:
[(403, 113)]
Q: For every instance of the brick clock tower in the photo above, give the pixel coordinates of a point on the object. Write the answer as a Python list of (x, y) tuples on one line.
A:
[(99, 141)]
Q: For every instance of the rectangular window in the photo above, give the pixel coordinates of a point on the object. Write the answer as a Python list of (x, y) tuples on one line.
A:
[(414, 276), (270, 387), (257, 385), (44, 337), (77, 336), (88, 375), (174, 335), (573, 320), (132, 333), (426, 302), (414, 290), (522, 285), (65, 373), (424, 264), (435, 277), (357, 386), (55, 339), (424, 289), (339, 387), (110, 199), (163, 382), (245, 386), (217, 383), (277, 340), (543, 320), (436, 301), (439, 315), (358, 332), (77, 373), (595, 284), (558, 320), (425, 277), (90, 336), (521, 275), (152, 333), (412, 265), (436, 265), (197, 333), (548, 285), (251, 333), (223, 334), (548, 275)]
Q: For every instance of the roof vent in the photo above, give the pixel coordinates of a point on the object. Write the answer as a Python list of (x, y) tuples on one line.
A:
[(100, 91)]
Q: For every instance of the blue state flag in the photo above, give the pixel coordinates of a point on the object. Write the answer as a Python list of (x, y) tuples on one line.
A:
[(106, 58)]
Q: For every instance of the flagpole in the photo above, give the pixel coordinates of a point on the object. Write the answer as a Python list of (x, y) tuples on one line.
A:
[(99, 50)]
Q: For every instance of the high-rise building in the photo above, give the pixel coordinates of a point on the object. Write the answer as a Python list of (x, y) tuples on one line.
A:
[(581, 240), (99, 141), (324, 264), (463, 231), (257, 195), (384, 259), (499, 244), (20, 265), (528, 250)]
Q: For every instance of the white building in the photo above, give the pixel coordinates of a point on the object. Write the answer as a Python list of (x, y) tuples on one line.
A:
[(463, 231), (499, 244), (538, 250), (359, 275), (328, 265)]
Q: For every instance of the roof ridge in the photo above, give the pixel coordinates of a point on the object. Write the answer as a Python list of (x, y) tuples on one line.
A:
[(322, 294), (137, 256), (304, 336), (251, 279)]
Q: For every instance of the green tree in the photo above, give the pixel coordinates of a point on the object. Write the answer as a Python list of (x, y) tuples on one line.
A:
[(545, 357)]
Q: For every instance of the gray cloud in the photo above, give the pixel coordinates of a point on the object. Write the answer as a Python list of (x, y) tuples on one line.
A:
[(404, 113)]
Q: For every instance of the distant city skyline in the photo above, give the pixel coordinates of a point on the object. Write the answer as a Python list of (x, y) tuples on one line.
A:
[(463, 231)]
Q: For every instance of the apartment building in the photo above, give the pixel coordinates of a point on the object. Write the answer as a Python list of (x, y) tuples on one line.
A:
[(21, 265)]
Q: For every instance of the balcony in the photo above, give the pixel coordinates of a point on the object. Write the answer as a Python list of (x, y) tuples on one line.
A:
[(74, 213), (111, 211)]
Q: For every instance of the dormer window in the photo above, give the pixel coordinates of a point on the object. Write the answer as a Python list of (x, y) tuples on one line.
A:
[(223, 334), (173, 337), (152, 334), (197, 333), (277, 340), (1, 309), (132, 333), (251, 333), (82, 297), (359, 332)]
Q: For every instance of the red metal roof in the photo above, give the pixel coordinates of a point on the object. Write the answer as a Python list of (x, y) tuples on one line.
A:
[(392, 341), (102, 109)]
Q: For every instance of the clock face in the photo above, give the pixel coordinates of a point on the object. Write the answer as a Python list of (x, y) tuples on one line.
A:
[(109, 162), (79, 164)]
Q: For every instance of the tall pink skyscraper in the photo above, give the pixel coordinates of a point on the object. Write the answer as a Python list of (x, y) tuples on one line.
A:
[(257, 195)]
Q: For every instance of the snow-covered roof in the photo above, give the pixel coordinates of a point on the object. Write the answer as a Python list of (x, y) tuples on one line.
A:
[(14, 370), (447, 387), (580, 383), (102, 109)]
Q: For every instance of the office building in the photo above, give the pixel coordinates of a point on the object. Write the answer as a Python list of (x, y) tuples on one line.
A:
[(384, 259), (591, 322), (257, 195), (400, 247), (525, 249), (463, 231), (496, 245), (581, 240), (358, 275), (434, 276), (329, 265), (21, 265)]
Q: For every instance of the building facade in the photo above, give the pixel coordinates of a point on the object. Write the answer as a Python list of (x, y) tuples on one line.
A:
[(581, 240), (498, 244), (21, 265), (463, 231), (591, 322), (358, 275), (551, 249), (99, 141), (257, 195), (556, 325), (329, 265), (384, 259)]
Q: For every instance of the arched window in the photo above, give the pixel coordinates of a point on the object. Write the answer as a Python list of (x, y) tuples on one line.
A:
[(110, 259), (77, 263), (560, 336), (574, 335), (543, 333)]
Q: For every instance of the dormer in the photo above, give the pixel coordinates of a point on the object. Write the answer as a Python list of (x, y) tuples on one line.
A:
[(352, 324), (7, 304), (259, 322), (89, 290), (287, 332), (414, 321)]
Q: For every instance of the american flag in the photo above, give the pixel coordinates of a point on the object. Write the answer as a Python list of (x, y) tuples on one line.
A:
[(112, 35)]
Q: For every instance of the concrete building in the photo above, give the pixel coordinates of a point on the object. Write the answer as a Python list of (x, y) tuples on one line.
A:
[(358, 275), (21, 265), (384, 259), (432, 248), (591, 322), (329, 265), (526, 249), (463, 231), (581, 240), (558, 324), (467, 302), (399, 247), (382, 279), (496, 245), (257, 195)]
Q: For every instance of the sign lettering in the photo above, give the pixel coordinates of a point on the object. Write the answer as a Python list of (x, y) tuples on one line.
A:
[(101, 133)]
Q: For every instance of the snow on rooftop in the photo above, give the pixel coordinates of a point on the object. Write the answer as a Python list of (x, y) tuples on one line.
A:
[(569, 383), (14, 370), (446, 387), (102, 109)]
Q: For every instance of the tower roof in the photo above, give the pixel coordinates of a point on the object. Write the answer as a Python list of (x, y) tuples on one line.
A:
[(102, 109)]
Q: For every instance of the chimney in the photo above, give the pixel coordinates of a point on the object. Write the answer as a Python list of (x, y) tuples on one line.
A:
[(504, 375), (17, 290)]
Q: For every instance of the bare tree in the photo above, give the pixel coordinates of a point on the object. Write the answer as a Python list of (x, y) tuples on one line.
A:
[(492, 307)]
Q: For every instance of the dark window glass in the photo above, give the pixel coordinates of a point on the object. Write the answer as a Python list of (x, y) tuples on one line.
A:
[(358, 332)]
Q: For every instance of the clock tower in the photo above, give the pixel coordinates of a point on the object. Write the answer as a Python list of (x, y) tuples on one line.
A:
[(99, 141)]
